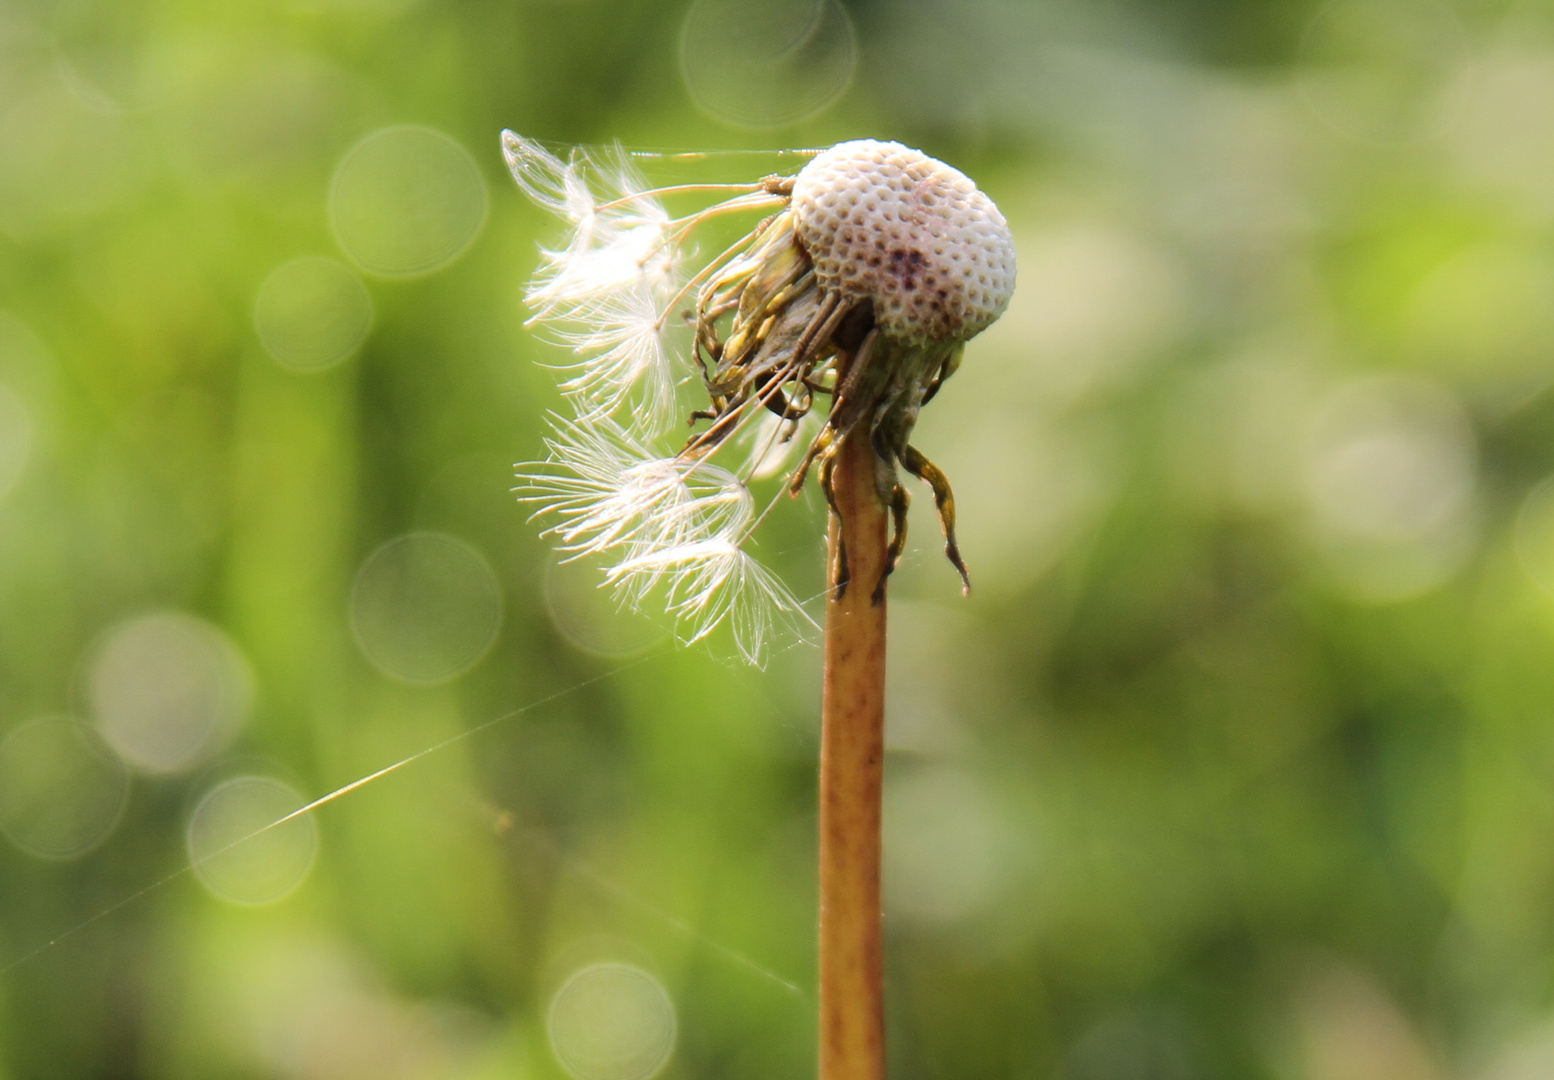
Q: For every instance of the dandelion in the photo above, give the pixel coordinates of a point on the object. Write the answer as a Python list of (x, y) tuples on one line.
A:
[(861, 282), (875, 265)]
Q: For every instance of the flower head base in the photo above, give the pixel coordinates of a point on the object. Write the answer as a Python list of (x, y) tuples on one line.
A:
[(908, 233), (874, 267)]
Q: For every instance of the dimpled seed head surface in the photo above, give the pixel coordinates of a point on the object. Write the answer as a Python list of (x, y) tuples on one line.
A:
[(888, 223)]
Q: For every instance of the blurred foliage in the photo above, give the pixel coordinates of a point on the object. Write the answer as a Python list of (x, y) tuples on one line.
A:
[(1238, 763)]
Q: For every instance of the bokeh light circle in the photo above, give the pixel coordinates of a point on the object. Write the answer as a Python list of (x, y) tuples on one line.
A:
[(237, 861), (944, 841), (425, 607), (355, 7), (64, 160), (587, 615), (1390, 460), (765, 63), (1535, 535), (1374, 70), (612, 1022), (406, 200), (168, 691), (15, 438), (61, 790), (1389, 474), (311, 313)]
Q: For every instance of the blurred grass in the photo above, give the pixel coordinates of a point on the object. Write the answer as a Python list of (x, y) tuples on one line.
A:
[(1236, 764)]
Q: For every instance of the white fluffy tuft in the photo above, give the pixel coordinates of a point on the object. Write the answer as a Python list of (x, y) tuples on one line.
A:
[(603, 293), (712, 581)]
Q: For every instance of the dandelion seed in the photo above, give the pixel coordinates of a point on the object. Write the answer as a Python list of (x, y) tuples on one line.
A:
[(877, 264), (606, 489), (603, 294), (713, 580), (620, 344)]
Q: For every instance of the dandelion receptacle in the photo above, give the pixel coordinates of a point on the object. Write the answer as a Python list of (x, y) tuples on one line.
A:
[(858, 286)]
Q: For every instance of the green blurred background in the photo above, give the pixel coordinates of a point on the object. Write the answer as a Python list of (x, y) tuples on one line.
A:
[(1239, 762)]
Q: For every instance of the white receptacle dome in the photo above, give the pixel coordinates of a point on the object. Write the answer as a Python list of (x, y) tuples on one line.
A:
[(890, 224)]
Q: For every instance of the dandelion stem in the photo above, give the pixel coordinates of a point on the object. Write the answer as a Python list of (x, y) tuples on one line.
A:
[(852, 759)]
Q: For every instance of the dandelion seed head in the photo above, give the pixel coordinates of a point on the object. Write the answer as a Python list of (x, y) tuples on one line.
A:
[(892, 225), (878, 263)]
